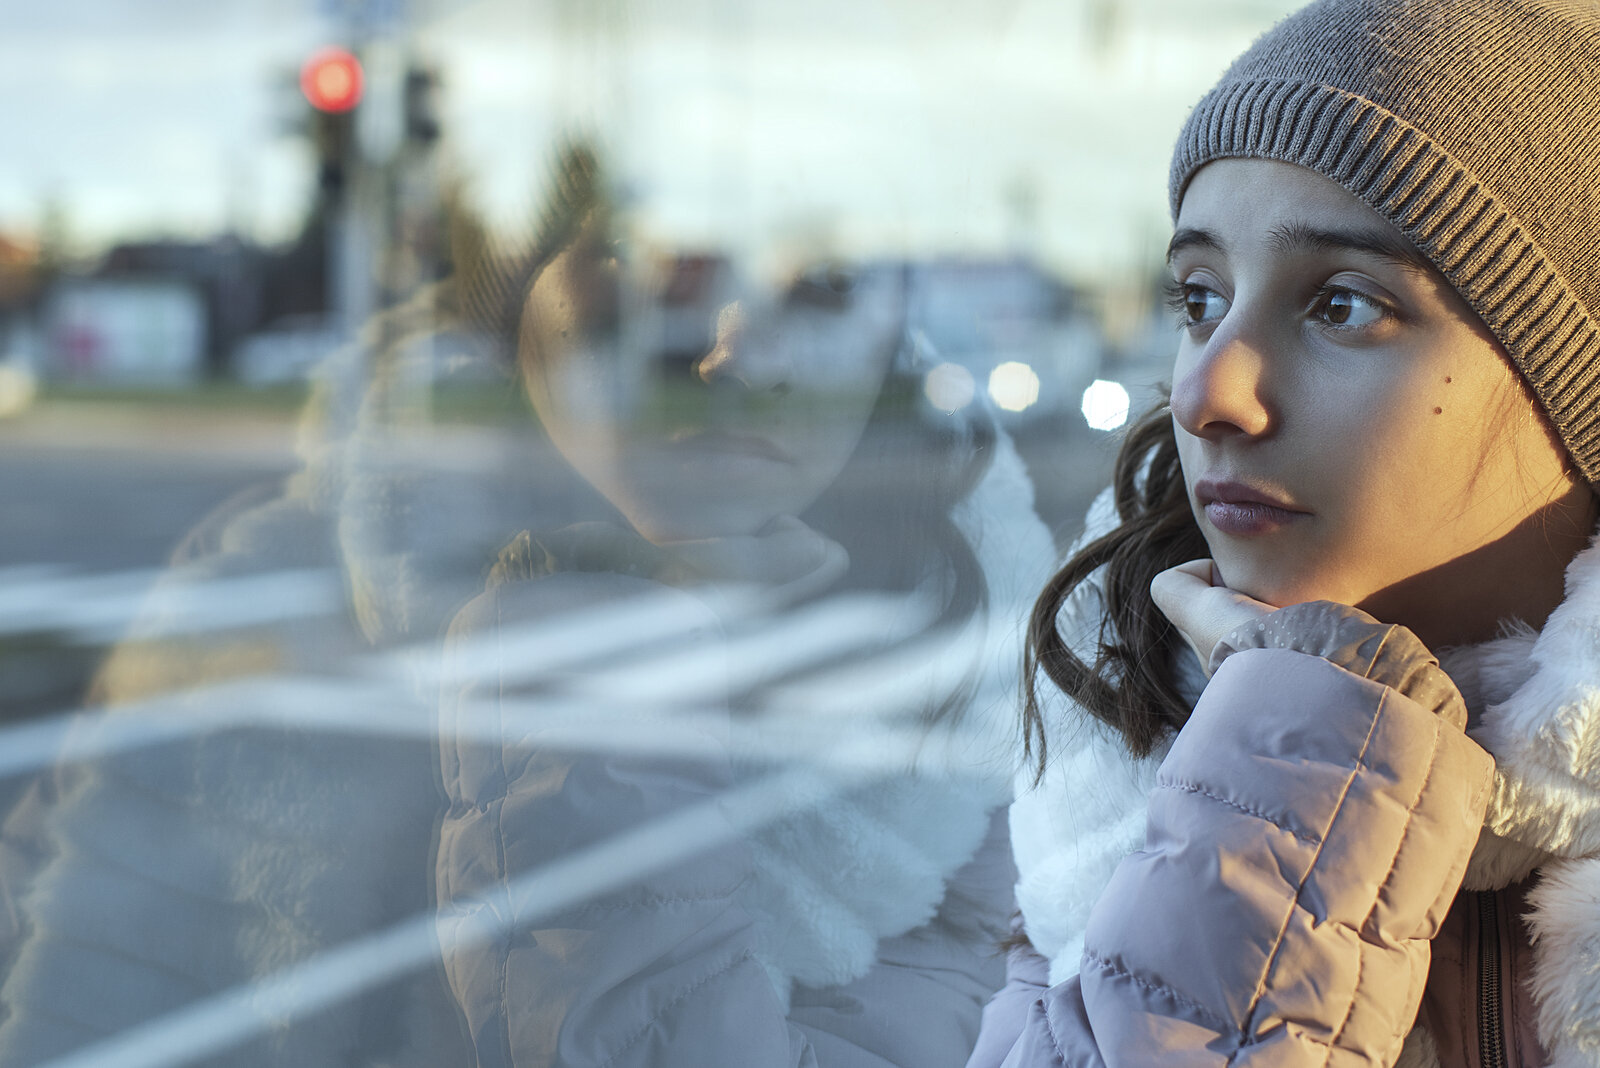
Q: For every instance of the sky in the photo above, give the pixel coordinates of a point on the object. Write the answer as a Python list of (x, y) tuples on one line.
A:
[(910, 126)]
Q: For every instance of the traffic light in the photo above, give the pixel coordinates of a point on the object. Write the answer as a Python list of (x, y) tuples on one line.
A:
[(332, 83), (420, 107)]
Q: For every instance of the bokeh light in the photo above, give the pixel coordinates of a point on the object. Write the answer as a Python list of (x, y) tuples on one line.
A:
[(1014, 386), (949, 387), (1105, 404)]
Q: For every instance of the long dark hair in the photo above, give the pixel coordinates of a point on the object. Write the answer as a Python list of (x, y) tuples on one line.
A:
[(1131, 684)]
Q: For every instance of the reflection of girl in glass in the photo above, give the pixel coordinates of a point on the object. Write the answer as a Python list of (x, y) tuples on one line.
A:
[(787, 458), (777, 446), (1254, 816)]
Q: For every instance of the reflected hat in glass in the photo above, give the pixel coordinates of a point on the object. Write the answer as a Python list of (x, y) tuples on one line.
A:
[(1471, 125), (494, 272)]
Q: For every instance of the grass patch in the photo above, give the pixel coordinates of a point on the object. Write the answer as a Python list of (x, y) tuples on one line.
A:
[(482, 403), (664, 406), (208, 397)]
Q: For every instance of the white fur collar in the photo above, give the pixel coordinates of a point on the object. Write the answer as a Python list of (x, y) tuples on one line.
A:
[(1536, 702), (829, 884)]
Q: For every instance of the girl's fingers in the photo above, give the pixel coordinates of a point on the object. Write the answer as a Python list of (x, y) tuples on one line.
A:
[(1203, 613), (1202, 569), (1173, 587)]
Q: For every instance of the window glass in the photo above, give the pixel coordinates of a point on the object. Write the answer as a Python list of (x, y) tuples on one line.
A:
[(520, 514)]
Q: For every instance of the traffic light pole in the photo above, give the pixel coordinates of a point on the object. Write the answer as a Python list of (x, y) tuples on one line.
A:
[(352, 248)]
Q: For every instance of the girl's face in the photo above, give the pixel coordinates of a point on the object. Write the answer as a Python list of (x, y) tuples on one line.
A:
[(699, 407), (1348, 429)]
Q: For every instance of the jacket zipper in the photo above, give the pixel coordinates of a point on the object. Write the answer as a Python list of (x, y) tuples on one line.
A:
[(1491, 1036)]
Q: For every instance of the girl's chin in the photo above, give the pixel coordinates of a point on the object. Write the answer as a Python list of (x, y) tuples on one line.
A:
[(1272, 586)]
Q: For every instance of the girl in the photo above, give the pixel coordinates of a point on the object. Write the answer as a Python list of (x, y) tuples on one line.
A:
[(779, 451), (1267, 827)]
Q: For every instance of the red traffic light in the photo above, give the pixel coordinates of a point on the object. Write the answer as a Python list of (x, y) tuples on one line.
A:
[(331, 80)]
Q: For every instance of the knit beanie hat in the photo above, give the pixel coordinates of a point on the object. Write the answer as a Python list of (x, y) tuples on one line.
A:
[(1471, 125)]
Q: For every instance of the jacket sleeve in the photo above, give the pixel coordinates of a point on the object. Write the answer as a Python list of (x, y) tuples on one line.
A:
[(1307, 833), (1027, 978)]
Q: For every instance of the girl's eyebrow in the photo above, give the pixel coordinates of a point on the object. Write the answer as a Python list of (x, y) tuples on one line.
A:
[(1189, 237), (1300, 237)]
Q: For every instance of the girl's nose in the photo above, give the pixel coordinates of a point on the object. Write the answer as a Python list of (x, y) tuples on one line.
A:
[(747, 352), (1220, 391)]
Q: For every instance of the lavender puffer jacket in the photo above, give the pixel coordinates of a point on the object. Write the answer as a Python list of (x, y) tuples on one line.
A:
[(1306, 834)]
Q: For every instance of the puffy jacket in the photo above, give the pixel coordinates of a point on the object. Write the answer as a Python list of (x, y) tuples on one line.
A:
[(858, 930), (1299, 856), (1270, 885)]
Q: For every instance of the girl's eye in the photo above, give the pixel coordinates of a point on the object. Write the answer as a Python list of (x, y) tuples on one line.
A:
[(1196, 304), (1348, 308)]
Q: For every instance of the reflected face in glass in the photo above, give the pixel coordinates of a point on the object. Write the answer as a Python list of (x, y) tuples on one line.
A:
[(699, 406), (1348, 428)]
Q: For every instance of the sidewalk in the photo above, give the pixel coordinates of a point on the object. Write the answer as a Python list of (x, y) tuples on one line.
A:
[(185, 423)]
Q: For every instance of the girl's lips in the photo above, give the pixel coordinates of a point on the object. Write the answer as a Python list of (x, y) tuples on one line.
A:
[(1248, 517), (1234, 508)]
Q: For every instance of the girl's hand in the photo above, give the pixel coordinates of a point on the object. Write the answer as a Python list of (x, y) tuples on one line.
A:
[(1203, 610)]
